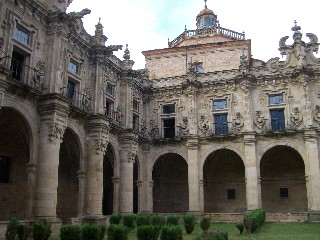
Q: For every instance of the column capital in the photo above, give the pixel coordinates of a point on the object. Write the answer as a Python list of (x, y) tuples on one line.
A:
[(310, 135), (249, 138), (115, 180), (193, 142), (129, 144), (82, 174), (56, 132), (31, 168)]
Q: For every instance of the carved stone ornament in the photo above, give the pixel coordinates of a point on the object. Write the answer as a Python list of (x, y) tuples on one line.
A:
[(238, 122), (78, 15), (259, 120), (203, 124), (38, 77), (101, 145), (184, 126), (132, 152), (154, 130), (296, 117), (56, 131), (316, 115)]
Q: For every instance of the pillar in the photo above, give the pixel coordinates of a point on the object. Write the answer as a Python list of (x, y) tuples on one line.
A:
[(193, 175), (98, 131), (82, 192), (312, 169), (116, 194), (253, 189), (32, 171)]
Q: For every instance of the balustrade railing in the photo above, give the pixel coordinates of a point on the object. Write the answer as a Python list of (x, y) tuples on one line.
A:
[(78, 100), (115, 117)]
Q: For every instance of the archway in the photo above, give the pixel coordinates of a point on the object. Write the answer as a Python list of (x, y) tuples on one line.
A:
[(283, 185), (224, 183), (108, 172), (68, 182), (14, 156), (170, 184)]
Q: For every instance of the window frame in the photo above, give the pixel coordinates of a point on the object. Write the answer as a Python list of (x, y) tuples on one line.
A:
[(217, 101), (231, 194), (284, 192), (72, 62), (20, 29), (167, 134), (168, 106), (275, 97), (111, 87), (277, 126), (220, 129)]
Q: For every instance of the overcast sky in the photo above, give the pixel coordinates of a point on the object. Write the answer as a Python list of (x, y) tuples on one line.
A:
[(147, 24)]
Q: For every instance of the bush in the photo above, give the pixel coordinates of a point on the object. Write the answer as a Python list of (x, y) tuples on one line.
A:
[(11, 231), (93, 232), (173, 220), (143, 219), (117, 232), (240, 226), (205, 223), (115, 218), (24, 231), (213, 236), (158, 220), (148, 232), (254, 219), (171, 232), (41, 231), (129, 221), (70, 232), (189, 222)]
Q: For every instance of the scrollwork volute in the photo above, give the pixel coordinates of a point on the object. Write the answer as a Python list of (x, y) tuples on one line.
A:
[(203, 124), (316, 115), (296, 117), (238, 122), (184, 126), (259, 120), (56, 131)]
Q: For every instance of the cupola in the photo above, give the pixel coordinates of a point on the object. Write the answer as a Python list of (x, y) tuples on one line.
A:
[(206, 18)]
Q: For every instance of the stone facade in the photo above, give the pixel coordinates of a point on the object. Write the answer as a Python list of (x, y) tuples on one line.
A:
[(204, 129)]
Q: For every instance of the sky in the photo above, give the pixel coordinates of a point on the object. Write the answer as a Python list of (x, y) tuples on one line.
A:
[(147, 24)]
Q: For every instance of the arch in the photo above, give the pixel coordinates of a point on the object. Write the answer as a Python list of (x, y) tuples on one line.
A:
[(113, 143), (169, 151), (224, 182), (170, 184), (136, 185), (283, 184), (15, 134), (108, 200)]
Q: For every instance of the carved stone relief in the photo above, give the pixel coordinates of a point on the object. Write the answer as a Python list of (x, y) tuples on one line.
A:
[(56, 131), (184, 126), (203, 124), (237, 122), (296, 117), (38, 77), (259, 120)]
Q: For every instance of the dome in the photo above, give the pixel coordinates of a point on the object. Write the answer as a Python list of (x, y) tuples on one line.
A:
[(205, 11), (206, 18)]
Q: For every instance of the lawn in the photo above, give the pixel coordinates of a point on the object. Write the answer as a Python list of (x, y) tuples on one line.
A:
[(269, 231)]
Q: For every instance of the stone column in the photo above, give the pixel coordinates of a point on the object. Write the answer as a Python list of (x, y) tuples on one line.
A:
[(201, 196), (150, 198), (116, 194), (98, 131), (128, 152), (139, 186), (312, 169), (32, 170), (145, 175), (51, 135), (82, 177), (193, 175), (251, 172)]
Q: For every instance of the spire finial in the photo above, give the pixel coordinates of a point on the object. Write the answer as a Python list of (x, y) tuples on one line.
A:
[(99, 19), (295, 28), (205, 3)]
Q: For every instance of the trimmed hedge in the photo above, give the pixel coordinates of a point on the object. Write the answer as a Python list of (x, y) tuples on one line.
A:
[(41, 231), (213, 236), (189, 222), (148, 232), (70, 232), (117, 232), (205, 223), (240, 226), (171, 232), (158, 220), (11, 231), (93, 232), (129, 221), (173, 220), (24, 231), (115, 218), (144, 219), (254, 219)]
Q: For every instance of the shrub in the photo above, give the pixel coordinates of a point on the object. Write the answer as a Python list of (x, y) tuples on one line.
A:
[(117, 232), (93, 232), (171, 232), (205, 223), (250, 224), (11, 231), (213, 236), (115, 218), (259, 216), (148, 232), (41, 231), (143, 219), (70, 232), (158, 220), (240, 226), (173, 219), (24, 231), (129, 221), (189, 222)]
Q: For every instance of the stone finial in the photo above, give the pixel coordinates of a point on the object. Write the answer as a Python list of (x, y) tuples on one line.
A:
[(295, 28), (205, 4), (297, 36), (126, 55), (99, 38)]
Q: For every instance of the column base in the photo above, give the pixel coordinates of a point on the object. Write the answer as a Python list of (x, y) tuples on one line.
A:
[(314, 215), (94, 219)]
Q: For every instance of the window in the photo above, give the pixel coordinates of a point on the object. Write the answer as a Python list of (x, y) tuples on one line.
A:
[(198, 68), (17, 63), (275, 99), (135, 105), (169, 128), (201, 22), (208, 22), (277, 120), (231, 194), (220, 124), (284, 193), (108, 108), (73, 67), (4, 169), (71, 90), (110, 89), (22, 35), (135, 122), (219, 104), (168, 109)]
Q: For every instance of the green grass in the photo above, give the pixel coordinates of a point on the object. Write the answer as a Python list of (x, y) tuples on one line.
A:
[(269, 231)]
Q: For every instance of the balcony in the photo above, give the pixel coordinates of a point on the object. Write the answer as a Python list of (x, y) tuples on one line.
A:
[(78, 100), (141, 129), (115, 118)]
